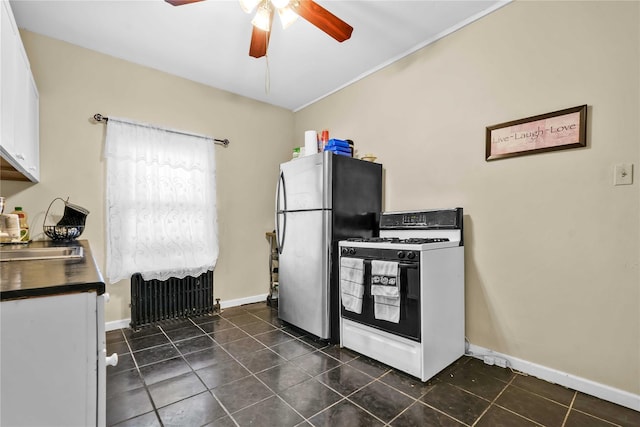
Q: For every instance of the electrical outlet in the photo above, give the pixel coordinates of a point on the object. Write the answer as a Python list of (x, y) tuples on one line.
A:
[(500, 362), (623, 174)]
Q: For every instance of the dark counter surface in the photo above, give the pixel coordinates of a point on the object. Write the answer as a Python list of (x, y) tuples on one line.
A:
[(26, 279)]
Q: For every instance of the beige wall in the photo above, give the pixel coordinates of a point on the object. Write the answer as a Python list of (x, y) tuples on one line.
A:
[(75, 83), (552, 247)]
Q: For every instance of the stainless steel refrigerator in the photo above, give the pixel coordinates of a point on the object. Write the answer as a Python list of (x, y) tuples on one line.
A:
[(320, 199)]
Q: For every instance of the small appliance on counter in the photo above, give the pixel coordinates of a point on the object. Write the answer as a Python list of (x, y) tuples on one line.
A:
[(70, 226), (9, 226)]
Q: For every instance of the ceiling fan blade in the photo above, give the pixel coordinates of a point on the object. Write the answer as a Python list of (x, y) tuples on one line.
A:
[(181, 2), (260, 39), (259, 42), (323, 19)]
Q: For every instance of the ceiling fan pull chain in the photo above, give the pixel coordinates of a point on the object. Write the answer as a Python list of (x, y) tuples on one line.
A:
[(267, 81)]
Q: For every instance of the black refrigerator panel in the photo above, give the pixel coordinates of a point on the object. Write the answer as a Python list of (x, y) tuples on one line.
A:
[(356, 187)]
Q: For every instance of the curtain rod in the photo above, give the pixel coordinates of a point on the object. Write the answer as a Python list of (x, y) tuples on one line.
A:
[(100, 118)]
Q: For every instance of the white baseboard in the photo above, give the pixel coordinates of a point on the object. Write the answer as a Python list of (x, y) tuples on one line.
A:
[(116, 324), (124, 323), (601, 391), (243, 301)]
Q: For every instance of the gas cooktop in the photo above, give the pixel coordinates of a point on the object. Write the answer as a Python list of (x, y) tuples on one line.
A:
[(410, 241), (414, 230)]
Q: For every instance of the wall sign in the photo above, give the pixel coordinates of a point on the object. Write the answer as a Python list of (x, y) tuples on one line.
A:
[(546, 132)]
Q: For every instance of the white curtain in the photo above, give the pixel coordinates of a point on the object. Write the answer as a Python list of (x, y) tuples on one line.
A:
[(161, 202)]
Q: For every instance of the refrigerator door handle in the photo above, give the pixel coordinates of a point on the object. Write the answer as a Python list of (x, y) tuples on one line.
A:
[(280, 242)]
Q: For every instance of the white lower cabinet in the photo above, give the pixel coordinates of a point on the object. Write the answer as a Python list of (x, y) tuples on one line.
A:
[(52, 361)]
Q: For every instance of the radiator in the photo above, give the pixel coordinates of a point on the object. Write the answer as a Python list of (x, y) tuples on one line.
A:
[(156, 300)]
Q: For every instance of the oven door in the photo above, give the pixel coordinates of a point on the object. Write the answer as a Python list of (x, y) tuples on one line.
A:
[(408, 325)]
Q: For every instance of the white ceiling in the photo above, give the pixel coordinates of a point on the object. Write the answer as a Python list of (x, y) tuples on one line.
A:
[(208, 42)]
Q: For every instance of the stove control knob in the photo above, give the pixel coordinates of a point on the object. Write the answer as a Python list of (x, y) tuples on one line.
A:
[(400, 254), (344, 251), (352, 251), (411, 255)]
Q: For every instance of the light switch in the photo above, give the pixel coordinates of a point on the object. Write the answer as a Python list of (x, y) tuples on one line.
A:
[(623, 174)]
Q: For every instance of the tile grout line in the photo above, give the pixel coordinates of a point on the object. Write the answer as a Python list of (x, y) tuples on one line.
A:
[(252, 374), (598, 418), (373, 380), (316, 350), (250, 371), (575, 396), (417, 400), (144, 383), (550, 401), (439, 410), (296, 338), (566, 416), (245, 367), (493, 401), (393, 388), (224, 408), (542, 396), (519, 415), (346, 397), (313, 363)]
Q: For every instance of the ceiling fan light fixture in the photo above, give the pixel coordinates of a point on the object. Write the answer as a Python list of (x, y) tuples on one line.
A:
[(262, 19), (248, 5), (278, 4), (287, 16)]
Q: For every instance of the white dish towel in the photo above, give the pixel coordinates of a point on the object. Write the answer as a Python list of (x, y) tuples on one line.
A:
[(352, 283), (385, 288)]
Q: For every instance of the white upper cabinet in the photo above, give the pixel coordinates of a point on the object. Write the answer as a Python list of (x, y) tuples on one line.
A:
[(7, 78), (19, 100)]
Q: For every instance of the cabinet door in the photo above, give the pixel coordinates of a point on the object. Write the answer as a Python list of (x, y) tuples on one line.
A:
[(32, 132), (8, 55), (26, 149), (48, 360), (19, 110)]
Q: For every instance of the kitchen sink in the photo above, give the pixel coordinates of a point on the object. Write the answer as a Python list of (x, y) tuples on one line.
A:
[(30, 254)]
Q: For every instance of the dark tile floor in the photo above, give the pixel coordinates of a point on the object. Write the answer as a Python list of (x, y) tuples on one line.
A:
[(245, 367)]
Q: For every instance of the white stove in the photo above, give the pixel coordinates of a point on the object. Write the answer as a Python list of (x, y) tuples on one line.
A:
[(426, 333)]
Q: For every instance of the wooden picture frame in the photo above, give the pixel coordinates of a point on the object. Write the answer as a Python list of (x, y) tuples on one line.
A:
[(558, 130)]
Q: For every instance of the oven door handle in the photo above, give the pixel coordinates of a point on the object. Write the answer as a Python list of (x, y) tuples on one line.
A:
[(411, 287), (408, 265), (400, 264)]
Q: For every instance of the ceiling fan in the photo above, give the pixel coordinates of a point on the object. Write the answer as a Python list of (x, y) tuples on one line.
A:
[(288, 10)]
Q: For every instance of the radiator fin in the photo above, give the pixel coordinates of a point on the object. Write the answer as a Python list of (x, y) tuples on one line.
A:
[(156, 300)]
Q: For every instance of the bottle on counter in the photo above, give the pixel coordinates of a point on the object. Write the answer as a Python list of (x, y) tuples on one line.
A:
[(324, 138), (24, 223)]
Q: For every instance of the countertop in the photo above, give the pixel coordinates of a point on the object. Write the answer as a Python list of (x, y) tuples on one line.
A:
[(27, 279)]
